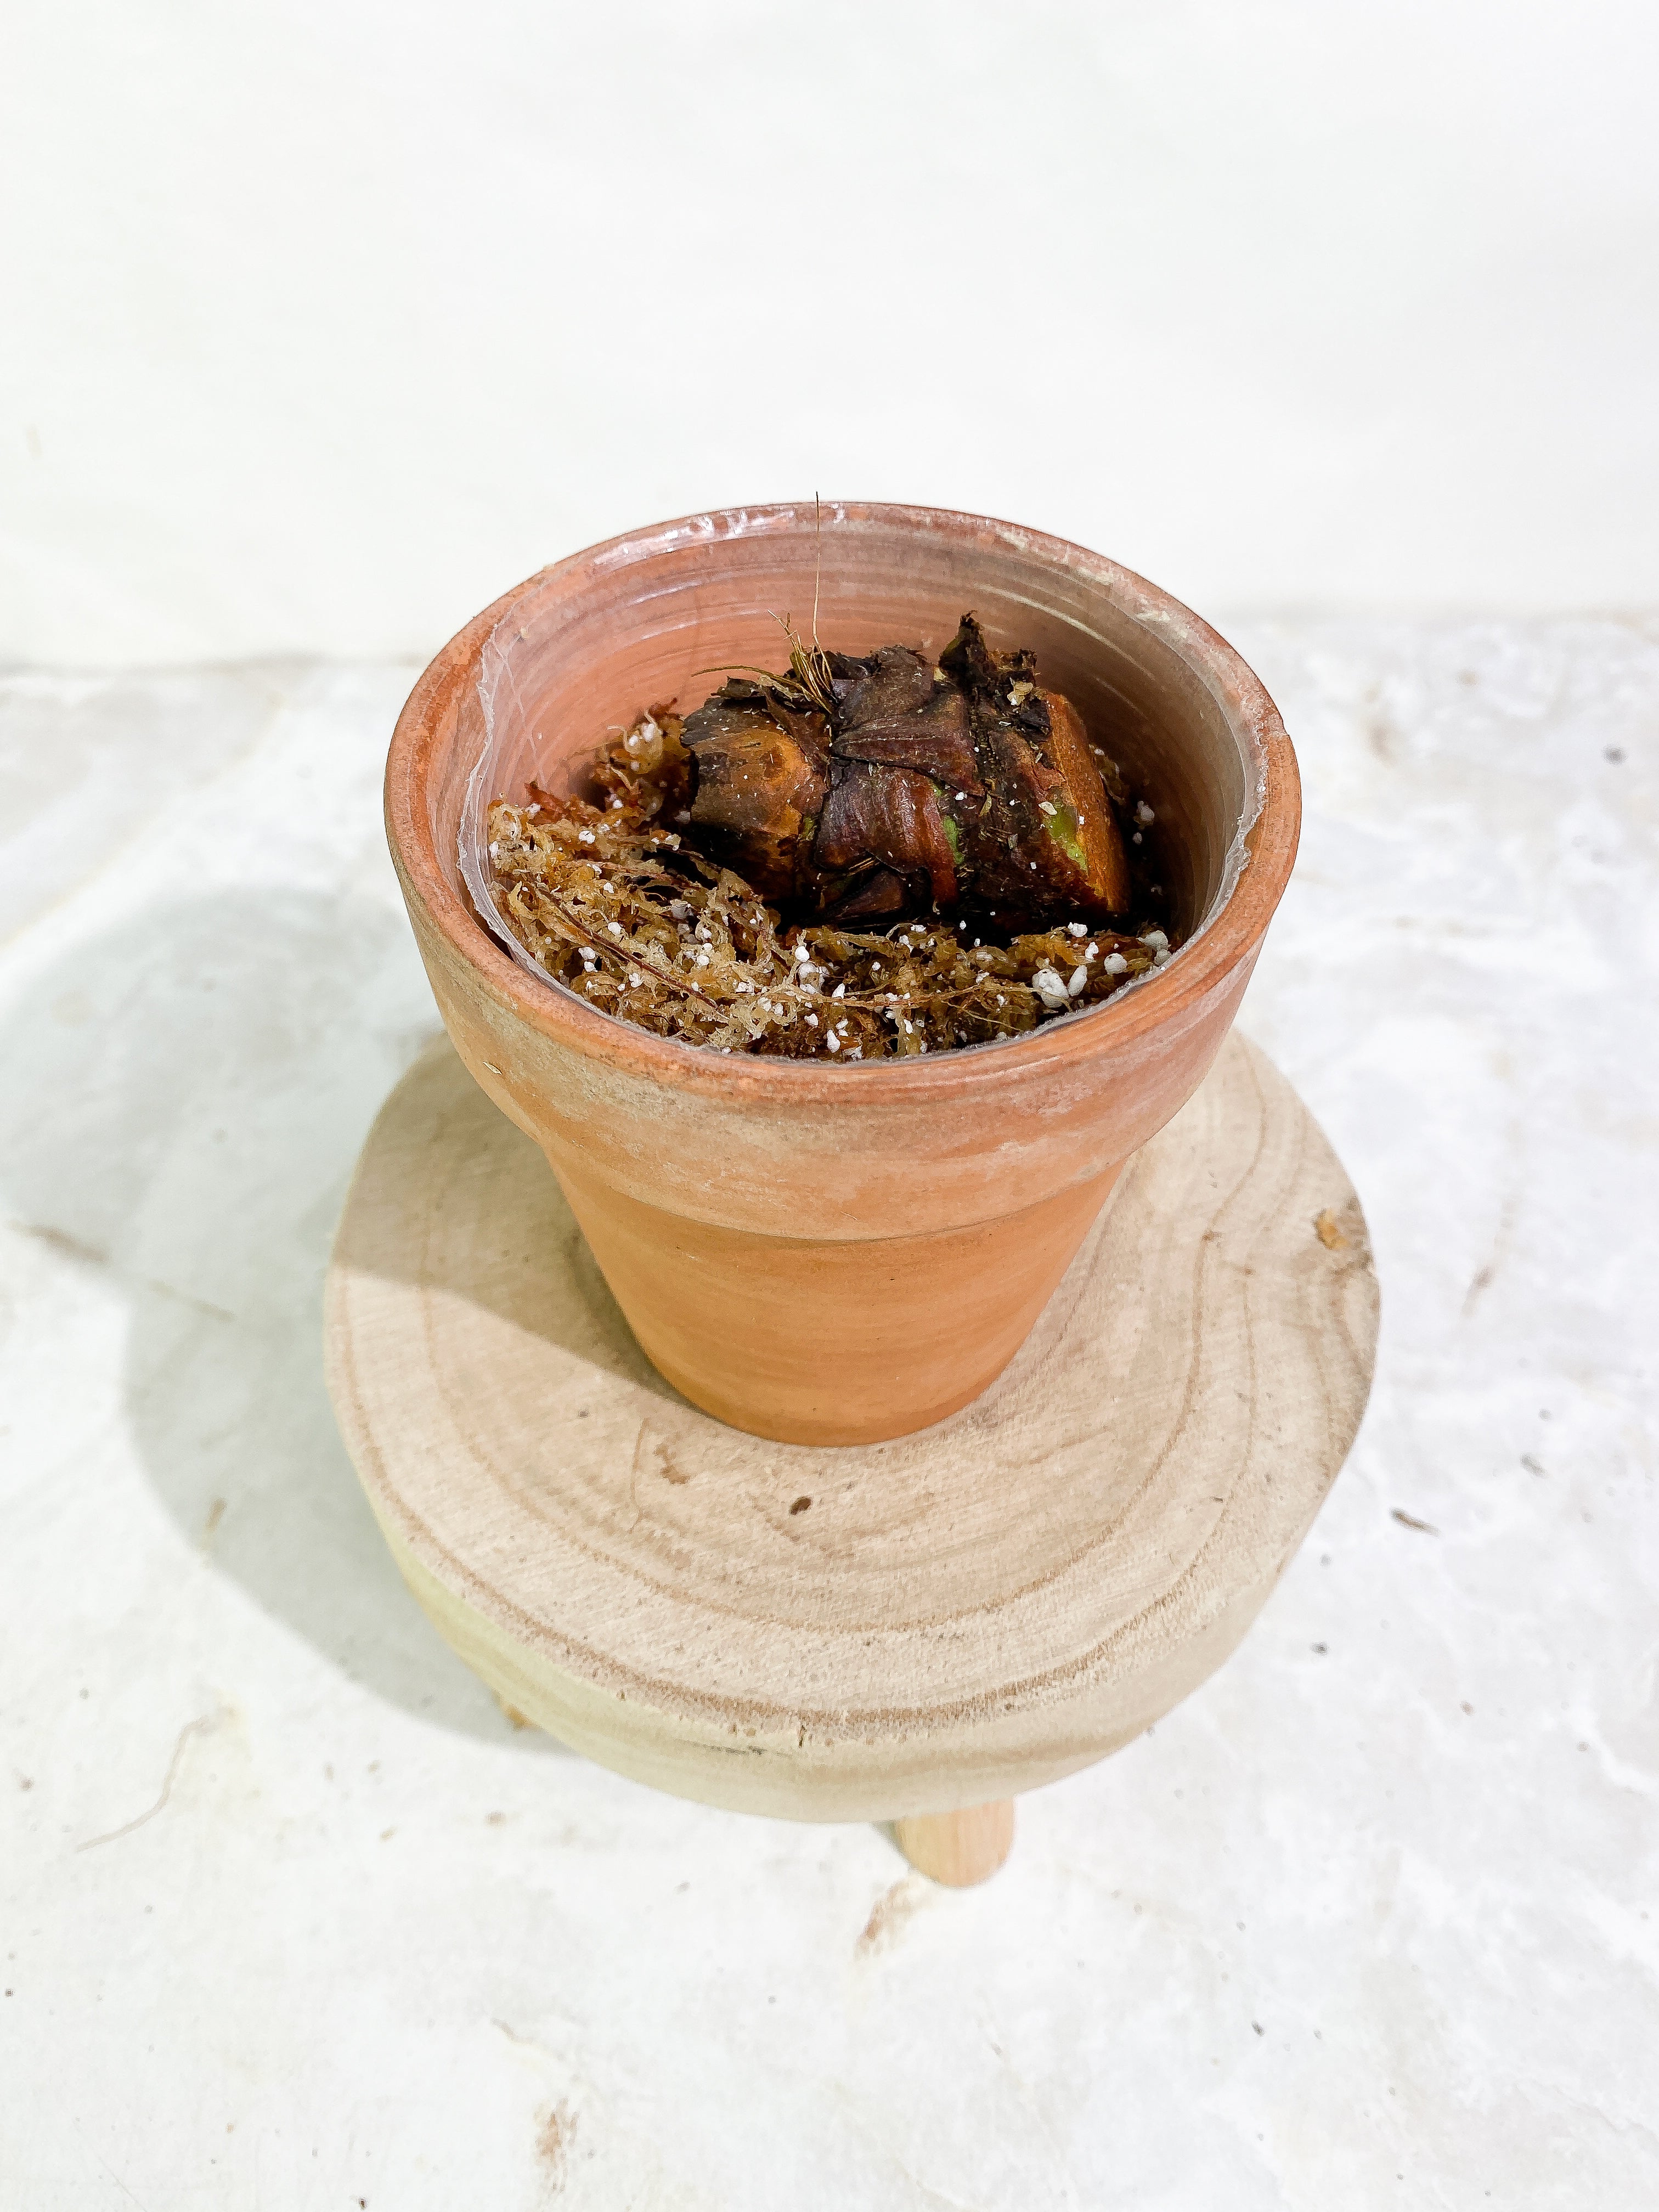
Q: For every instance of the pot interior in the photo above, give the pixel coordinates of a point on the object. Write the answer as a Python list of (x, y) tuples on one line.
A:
[(585, 647)]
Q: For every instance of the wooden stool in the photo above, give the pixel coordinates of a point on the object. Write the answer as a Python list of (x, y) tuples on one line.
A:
[(911, 1632)]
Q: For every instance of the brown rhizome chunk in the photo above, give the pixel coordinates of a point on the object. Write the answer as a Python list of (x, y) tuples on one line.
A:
[(863, 857)]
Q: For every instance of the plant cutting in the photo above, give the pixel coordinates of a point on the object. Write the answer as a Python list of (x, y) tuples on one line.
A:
[(848, 790)]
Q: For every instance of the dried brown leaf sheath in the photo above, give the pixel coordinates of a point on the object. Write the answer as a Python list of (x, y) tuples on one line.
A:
[(957, 788)]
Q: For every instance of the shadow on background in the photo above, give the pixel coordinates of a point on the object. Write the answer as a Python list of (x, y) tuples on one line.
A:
[(182, 1111), (522, 1255)]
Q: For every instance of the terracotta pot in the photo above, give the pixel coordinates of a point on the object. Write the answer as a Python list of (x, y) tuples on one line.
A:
[(823, 1254)]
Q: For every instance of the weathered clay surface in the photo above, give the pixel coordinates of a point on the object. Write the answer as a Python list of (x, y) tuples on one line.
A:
[(720, 1195)]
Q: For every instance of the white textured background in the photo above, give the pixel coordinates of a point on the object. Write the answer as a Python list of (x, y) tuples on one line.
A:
[(1371, 1922), (323, 322)]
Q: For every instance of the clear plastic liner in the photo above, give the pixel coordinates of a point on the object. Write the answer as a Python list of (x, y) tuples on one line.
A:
[(508, 762)]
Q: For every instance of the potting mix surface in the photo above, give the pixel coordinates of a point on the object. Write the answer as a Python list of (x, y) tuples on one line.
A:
[(856, 860)]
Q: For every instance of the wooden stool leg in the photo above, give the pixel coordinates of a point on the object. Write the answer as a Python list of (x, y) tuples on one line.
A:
[(958, 1848)]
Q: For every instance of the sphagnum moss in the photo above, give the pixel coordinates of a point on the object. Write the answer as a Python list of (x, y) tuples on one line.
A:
[(626, 899)]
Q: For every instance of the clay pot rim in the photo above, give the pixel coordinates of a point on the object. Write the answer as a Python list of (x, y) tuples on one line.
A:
[(1228, 935)]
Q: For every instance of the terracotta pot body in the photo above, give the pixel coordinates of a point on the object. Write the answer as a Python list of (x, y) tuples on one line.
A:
[(823, 1254)]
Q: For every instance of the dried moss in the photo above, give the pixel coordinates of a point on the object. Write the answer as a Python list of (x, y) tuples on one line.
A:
[(611, 899)]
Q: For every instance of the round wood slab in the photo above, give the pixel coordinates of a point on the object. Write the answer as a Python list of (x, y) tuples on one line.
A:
[(867, 1632)]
